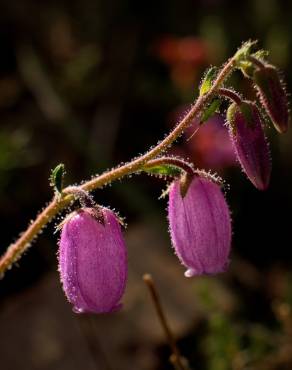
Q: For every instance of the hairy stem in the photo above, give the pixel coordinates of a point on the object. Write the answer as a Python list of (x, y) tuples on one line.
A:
[(16, 249), (232, 95), (83, 196), (177, 162)]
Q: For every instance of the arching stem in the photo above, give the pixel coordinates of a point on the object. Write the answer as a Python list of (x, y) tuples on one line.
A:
[(232, 95), (16, 249), (172, 161)]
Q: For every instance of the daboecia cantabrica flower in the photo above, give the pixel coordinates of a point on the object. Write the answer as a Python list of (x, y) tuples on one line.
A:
[(93, 255), (93, 261), (200, 226), (250, 145), (272, 95)]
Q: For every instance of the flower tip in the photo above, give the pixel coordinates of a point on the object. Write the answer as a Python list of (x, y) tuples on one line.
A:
[(261, 182), (282, 128), (78, 310), (190, 273), (262, 185), (212, 270)]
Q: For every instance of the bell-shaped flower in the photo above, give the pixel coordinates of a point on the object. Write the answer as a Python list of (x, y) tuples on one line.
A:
[(272, 96), (93, 260), (200, 226), (249, 142)]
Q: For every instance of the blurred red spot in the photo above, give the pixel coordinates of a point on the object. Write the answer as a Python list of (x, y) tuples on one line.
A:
[(172, 50), (183, 56)]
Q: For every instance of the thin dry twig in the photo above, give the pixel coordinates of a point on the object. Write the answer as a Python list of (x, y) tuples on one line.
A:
[(176, 359)]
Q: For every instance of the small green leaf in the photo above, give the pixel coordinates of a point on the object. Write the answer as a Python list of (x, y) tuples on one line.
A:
[(208, 80), (244, 51), (56, 178), (164, 170), (261, 54), (242, 61), (246, 67), (210, 110)]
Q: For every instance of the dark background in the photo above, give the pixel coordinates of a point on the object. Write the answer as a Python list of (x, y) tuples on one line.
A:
[(92, 84)]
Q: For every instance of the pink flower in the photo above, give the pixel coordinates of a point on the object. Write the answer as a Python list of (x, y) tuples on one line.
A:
[(273, 96), (93, 261), (249, 142), (200, 226)]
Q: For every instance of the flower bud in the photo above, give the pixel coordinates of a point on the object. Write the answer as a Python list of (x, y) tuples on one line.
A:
[(273, 96), (249, 142), (200, 226), (93, 261)]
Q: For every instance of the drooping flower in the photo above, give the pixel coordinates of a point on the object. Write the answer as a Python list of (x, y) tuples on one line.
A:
[(93, 261), (200, 226), (249, 142), (273, 96)]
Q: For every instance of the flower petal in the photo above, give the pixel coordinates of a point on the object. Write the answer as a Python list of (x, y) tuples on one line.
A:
[(93, 262), (200, 226)]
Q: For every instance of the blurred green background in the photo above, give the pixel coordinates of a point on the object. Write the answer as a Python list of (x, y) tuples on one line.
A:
[(92, 84)]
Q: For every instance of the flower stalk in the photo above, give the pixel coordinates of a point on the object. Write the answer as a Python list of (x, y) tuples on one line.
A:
[(85, 199), (171, 161), (231, 95)]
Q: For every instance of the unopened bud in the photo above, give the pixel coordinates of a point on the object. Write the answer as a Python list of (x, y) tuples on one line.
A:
[(273, 96), (200, 226), (249, 142), (93, 260)]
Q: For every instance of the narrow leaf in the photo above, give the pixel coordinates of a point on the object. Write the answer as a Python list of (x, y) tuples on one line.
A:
[(210, 110), (244, 51), (164, 170), (208, 80), (261, 54), (56, 178)]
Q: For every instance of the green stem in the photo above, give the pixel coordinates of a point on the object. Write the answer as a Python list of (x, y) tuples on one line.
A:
[(16, 249)]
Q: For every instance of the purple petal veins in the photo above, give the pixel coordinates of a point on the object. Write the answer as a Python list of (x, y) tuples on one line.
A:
[(200, 226), (249, 142), (93, 262), (273, 96)]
